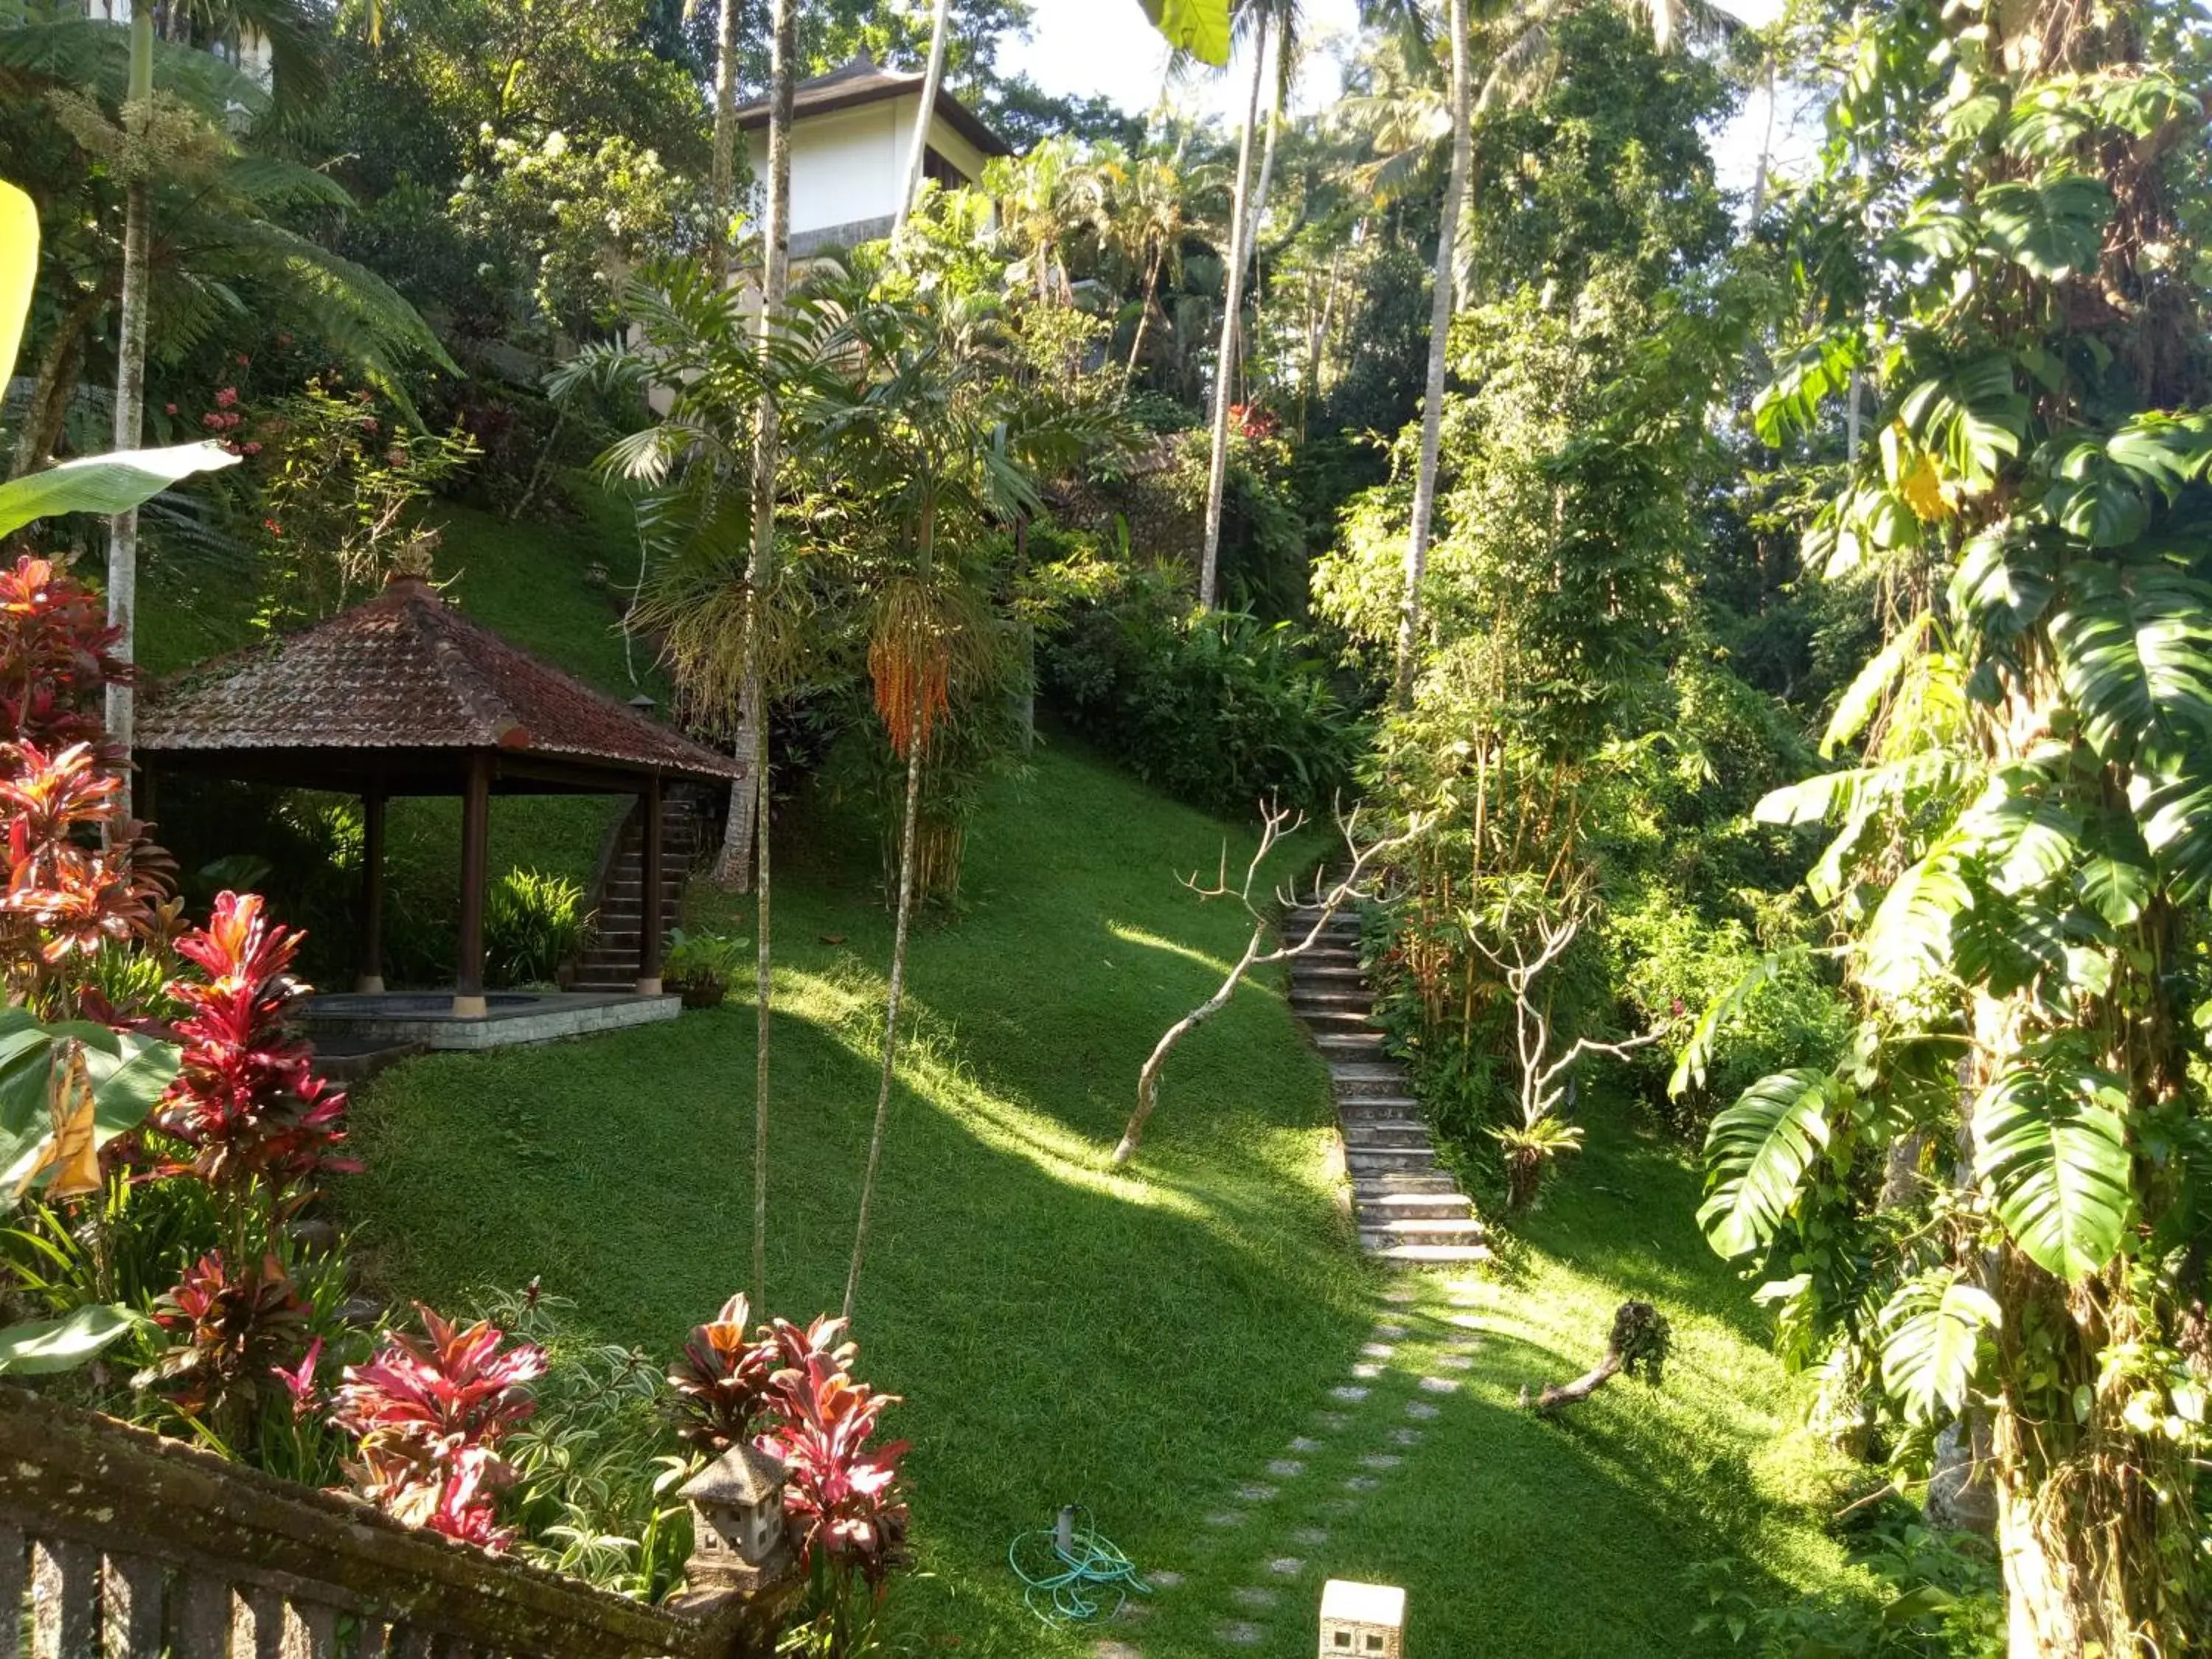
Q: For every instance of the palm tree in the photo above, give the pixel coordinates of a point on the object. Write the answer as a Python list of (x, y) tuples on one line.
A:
[(936, 437), (760, 579), (1521, 32), (722, 168), (1263, 14), (1151, 212), (286, 27), (1440, 316), (933, 78)]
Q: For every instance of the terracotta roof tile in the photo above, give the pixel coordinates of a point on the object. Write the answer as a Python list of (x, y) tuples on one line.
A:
[(408, 671)]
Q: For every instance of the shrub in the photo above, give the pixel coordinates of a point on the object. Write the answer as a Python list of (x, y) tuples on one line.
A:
[(702, 966), (533, 924), (1219, 709), (430, 1415)]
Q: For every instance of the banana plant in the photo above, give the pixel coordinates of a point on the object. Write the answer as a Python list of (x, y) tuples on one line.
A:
[(95, 484), (67, 1089)]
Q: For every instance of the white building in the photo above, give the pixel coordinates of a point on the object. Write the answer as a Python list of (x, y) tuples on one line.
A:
[(852, 137), (246, 48)]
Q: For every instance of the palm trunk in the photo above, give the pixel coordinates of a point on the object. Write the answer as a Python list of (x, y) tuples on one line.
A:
[(722, 188), (1266, 159), (776, 279), (129, 395), (1224, 369), (1144, 310), (913, 757), (1440, 316), (931, 81)]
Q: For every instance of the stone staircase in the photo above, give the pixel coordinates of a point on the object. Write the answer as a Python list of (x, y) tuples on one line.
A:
[(1408, 1210), (610, 963)]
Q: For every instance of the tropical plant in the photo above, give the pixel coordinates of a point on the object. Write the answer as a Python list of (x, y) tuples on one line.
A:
[(534, 925), (1989, 1208), (234, 1329), (842, 1493), (430, 1414), (702, 966)]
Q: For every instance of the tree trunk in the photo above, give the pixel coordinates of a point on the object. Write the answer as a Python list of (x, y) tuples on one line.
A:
[(47, 413), (722, 187), (1440, 316), (913, 758), (760, 574), (932, 79), (130, 394), (1225, 368), (1148, 1080)]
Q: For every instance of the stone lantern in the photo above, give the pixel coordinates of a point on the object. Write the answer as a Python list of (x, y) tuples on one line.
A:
[(739, 1538), (1361, 1622)]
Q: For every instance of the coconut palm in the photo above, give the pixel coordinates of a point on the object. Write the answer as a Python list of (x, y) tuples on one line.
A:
[(932, 77)]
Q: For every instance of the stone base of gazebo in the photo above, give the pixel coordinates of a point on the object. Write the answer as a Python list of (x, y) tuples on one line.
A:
[(508, 1017)]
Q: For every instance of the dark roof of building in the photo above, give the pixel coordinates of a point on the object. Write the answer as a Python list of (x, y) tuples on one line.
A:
[(406, 679), (863, 80)]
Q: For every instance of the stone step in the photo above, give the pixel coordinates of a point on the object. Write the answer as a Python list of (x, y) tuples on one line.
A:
[(1352, 1044), (1397, 1160), (1328, 1000), (1336, 1022), (1329, 956), (1466, 1230), (1400, 1105), (1434, 1256), (1355, 1077), (1413, 1206), (1367, 1188), (1370, 1135), (1326, 976)]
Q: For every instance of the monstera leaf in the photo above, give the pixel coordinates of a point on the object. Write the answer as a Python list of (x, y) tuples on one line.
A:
[(1909, 940), (1200, 27), (1757, 1154), (2135, 656), (2052, 1146), (2050, 228), (1932, 1343)]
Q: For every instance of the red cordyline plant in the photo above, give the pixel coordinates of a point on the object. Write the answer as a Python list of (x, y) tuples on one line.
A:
[(726, 1382), (842, 1490), (76, 876), (246, 1100), (429, 1416), (230, 1331)]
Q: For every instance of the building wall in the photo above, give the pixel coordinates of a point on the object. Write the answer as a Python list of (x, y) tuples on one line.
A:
[(848, 167), (249, 50)]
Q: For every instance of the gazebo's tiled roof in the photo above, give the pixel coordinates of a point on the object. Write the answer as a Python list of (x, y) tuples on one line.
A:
[(407, 672)]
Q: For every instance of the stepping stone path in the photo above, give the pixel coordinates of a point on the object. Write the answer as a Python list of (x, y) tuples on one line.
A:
[(1409, 1211)]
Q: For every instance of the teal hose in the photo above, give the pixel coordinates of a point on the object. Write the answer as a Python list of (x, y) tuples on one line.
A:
[(1070, 1586)]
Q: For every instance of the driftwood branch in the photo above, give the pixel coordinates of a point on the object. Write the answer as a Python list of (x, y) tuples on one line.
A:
[(1637, 1345), (1276, 825)]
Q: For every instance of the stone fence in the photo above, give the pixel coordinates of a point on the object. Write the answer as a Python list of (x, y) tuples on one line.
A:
[(132, 1546)]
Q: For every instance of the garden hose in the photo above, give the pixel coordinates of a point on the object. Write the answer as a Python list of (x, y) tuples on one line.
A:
[(1067, 1572)]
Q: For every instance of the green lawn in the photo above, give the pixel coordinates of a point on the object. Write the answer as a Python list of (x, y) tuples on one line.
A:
[(1144, 1343)]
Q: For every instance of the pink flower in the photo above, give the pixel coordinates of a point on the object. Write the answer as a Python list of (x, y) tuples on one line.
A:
[(300, 1383), (396, 455), (272, 526), (227, 396), (168, 409), (368, 424), (243, 360), (212, 419), (249, 449)]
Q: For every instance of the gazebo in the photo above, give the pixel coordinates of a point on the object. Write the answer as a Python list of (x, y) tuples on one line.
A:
[(405, 695)]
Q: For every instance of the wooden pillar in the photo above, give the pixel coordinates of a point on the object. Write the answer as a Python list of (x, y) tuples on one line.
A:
[(475, 826), (649, 901), (368, 977)]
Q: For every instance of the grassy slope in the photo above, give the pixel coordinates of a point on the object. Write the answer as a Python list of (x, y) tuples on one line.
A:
[(1140, 1343)]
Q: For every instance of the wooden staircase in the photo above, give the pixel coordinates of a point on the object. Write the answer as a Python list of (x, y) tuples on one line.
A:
[(618, 898), (1408, 1210)]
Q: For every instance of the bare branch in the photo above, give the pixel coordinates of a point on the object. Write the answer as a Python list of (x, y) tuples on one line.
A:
[(1275, 824)]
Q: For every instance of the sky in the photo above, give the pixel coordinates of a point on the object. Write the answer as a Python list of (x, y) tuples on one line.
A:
[(1084, 46)]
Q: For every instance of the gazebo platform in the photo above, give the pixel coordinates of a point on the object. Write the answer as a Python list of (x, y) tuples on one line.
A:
[(427, 1019)]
